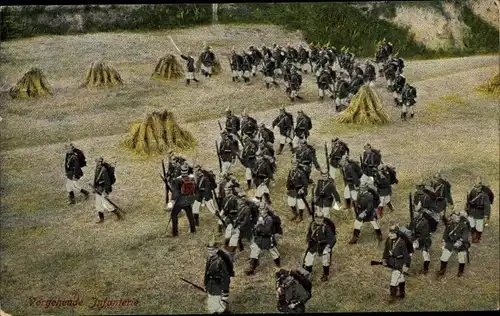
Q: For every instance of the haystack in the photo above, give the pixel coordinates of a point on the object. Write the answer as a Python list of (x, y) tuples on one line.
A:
[(101, 75), (216, 69), (493, 84), (365, 108), (32, 85), (167, 68), (157, 134)]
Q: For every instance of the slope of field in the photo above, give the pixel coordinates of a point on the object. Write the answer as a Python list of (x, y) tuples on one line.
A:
[(50, 250)]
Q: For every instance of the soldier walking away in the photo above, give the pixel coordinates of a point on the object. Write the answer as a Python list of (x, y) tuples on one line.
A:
[(248, 158), (365, 210), (455, 239), (73, 164), (295, 83), (269, 70), (248, 213), (424, 201), (297, 183), (205, 184), (207, 62), (190, 68), (293, 290), (284, 122), (306, 156), (257, 59), (399, 84), (321, 238), (442, 190), (339, 151), (233, 123), (262, 174), (183, 196), (324, 195), (230, 208), (396, 256), (246, 66), (370, 74), (265, 134), (371, 159), (478, 208), (228, 150), (408, 96), (236, 62), (390, 69), (248, 125), (264, 238), (219, 271), (351, 172), (421, 236), (303, 127), (325, 84), (342, 94), (303, 57), (104, 178), (384, 178)]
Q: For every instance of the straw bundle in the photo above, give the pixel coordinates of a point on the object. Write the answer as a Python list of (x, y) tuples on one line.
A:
[(32, 85), (365, 108), (493, 84), (167, 68), (101, 75)]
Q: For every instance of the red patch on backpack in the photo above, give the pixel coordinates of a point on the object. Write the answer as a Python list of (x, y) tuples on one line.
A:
[(188, 186)]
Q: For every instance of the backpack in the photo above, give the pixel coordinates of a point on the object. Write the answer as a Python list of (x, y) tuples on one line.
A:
[(81, 157), (276, 222), (111, 172), (303, 280), (357, 168), (211, 178), (392, 174), (188, 186), (238, 123)]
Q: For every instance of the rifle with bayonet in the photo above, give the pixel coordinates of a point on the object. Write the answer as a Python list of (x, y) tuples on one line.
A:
[(411, 214), (218, 155), (194, 285), (93, 189), (164, 178), (326, 159)]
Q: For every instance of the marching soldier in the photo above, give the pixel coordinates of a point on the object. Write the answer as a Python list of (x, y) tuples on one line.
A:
[(342, 94), (356, 84), (284, 122), (421, 236), (321, 238), (390, 69), (219, 270), (314, 57), (232, 123), (371, 160), (266, 52), (295, 82), (408, 96), (302, 128), (297, 183), (268, 225), (230, 208), (383, 181), (424, 201), (257, 58), (246, 66), (399, 84), (370, 73), (442, 190), (204, 195), (183, 196), (305, 156), (236, 62), (265, 134), (325, 194), (248, 213), (396, 256), (269, 70), (351, 173), (104, 178), (303, 58), (293, 289), (366, 204), (228, 150), (262, 174), (455, 239), (73, 164), (339, 151), (248, 125), (292, 56), (207, 62), (190, 68), (248, 158), (279, 57), (325, 83), (478, 208)]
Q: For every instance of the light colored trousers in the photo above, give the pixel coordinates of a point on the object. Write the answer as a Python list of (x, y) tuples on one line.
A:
[(233, 234), (255, 251), (397, 277), (445, 256), (72, 185), (295, 202), (476, 223), (325, 259), (216, 304), (101, 204)]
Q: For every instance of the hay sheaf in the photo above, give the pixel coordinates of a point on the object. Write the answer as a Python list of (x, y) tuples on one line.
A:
[(167, 68), (365, 108), (32, 85), (216, 69), (157, 134), (102, 75), (491, 87)]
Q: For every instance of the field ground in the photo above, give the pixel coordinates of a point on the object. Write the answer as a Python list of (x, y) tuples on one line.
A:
[(50, 250)]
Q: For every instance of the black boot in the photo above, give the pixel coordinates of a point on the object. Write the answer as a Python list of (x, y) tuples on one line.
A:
[(301, 215), (412, 114), (277, 262), (188, 81), (404, 116), (249, 184), (461, 267), (226, 242), (396, 101), (442, 270), (251, 268), (326, 272), (240, 245), (219, 229), (294, 212), (267, 85), (85, 194), (280, 149), (402, 290), (71, 197), (118, 214), (308, 269), (101, 218), (196, 219), (196, 80), (390, 206), (234, 79), (348, 204), (355, 237), (425, 270), (394, 294), (379, 234)]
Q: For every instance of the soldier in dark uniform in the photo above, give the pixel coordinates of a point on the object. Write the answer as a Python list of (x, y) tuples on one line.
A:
[(478, 208), (269, 70), (73, 164), (424, 201), (262, 174), (219, 270), (370, 74), (339, 151), (408, 96), (421, 236), (321, 238), (246, 66), (103, 187), (230, 213), (371, 160), (442, 190), (296, 184), (342, 94), (232, 123), (265, 134), (455, 239), (399, 83), (248, 213), (293, 289), (207, 62), (204, 194), (292, 56), (226, 180), (228, 149), (248, 157), (266, 52), (303, 127), (314, 57), (356, 84), (383, 183), (248, 125), (190, 68), (183, 196), (303, 57), (295, 83), (257, 58), (366, 204), (284, 122), (236, 64), (325, 84), (305, 156), (390, 69), (264, 237), (351, 173), (396, 256), (325, 193)]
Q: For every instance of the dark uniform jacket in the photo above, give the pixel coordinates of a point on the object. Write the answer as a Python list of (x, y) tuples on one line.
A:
[(306, 155), (72, 166), (207, 58), (367, 202), (262, 171), (325, 193), (297, 179), (303, 126), (232, 124), (399, 84), (396, 253), (181, 198), (230, 207), (203, 189), (370, 73), (442, 189), (303, 56), (248, 125), (236, 62), (325, 80), (248, 153), (218, 271), (267, 135), (339, 148), (102, 180), (352, 175), (422, 232), (293, 292), (383, 182), (269, 67), (264, 234), (228, 149), (246, 63), (408, 95), (456, 232), (295, 81), (342, 89), (285, 123), (248, 213), (371, 160), (478, 204), (320, 235), (190, 63), (356, 83)]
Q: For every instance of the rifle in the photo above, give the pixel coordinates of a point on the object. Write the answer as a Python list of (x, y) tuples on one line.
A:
[(312, 201), (326, 157), (196, 286), (218, 155), (220, 126), (217, 213), (108, 200), (411, 214), (164, 178), (376, 263)]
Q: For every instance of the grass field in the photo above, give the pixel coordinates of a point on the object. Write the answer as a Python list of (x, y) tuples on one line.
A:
[(50, 250)]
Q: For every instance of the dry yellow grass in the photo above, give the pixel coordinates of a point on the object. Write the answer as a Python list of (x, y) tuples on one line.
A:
[(101, 75), (71, 256), (167, 68), (365, 108), (32, 85)]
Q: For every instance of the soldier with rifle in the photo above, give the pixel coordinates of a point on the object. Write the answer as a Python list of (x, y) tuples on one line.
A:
[(248, 158), (455, 239), (248, 125), (262, 174), (324, 195), (293, 290), (339, 151), (424, 200), (264, 237), (104, 178), (246, 66), (228, 150), (303, 57), (269, 71), (207, 62), (292, 56), (205, 184), (370, 74), (296, 184), (325, 84), (302, 129), (342, 94), (442, 190), (73, 164), (390, 70), (366, 204), (284, 122), (295, 83), (314, 57), (232, 123), (478, 208), (183, 196), (235, 63), (230, 211), (257, 58), (351, 173), (190, 68), (408, 96), (384, 178), (265, 134), (321, 239), (227, 180), (306, 156), (248, 213), (421, 234), (370, 161)]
